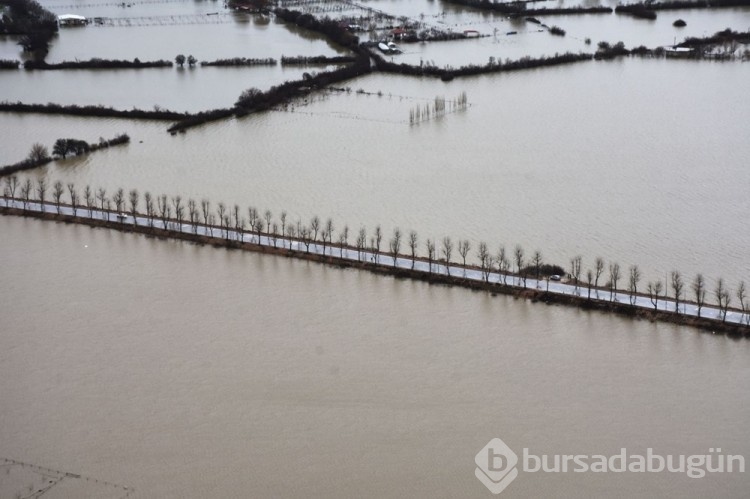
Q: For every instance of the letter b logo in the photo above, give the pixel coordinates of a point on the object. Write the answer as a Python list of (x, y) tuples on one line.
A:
[(496, 465)]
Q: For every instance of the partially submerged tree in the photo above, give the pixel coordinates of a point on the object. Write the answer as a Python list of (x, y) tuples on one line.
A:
[(575, 269), (463, 250), (413, 246), (484, 260), (654, 291), (41, 191), (723, 298), (430, 254), (38, 153), (133, 197), (699, 289), (26, 192), (57, 193), (395, 244), (614, 276), (677, 286), (73, 197), (635, 276), (598, 269), (447, 251)]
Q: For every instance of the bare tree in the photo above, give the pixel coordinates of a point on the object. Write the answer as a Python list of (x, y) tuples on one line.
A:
[(252, 218), (484, 261), (228, 224), (11, 184), (699, 288), (236, 216), (315, 227), (221, 211), (119, 200), (211, 224), (205, 210), (283, 222), (133, 198), (503, 265), (677, 286), (430, 254), (109, 209), (324, 238), (447, 251), (741, 297), (519, 263), (41, 191), (57, 193), (165, 211), (721, 292), (395, 244), (179, 211), (193, 214), (274, 233), (101, 195), (149, 208), (241, 229), (329, 228), (162, 205), (463, 249), (635, 276), (589, 281), (26, 192), (73, 197), (614, 276), (598, 269), (88, 197), (343, 240), (575, 269), (378, 238), (361, 241), (38, 153), (258, 227), (654, 291), (413, 247), (267, 216), (537, 261), (305, 234), (290, 232)]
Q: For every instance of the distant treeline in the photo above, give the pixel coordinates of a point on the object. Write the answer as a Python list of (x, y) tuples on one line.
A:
[(9, 64), (680, 5), (97, 63), (102, 111), (301, 60), (25, 164), (253, 99), (241, 61), (519, 8), (718, 38), (39, 154), (493, 66), (63, 147), (326, 26), (35, 24)]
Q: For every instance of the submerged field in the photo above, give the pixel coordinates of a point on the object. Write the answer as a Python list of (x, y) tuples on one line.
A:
[(138, 367)]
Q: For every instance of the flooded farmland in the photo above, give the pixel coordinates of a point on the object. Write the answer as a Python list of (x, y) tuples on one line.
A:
[(166, 369)]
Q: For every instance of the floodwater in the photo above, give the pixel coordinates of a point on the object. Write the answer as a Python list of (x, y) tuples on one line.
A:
[(615, 159), (186, 371)]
